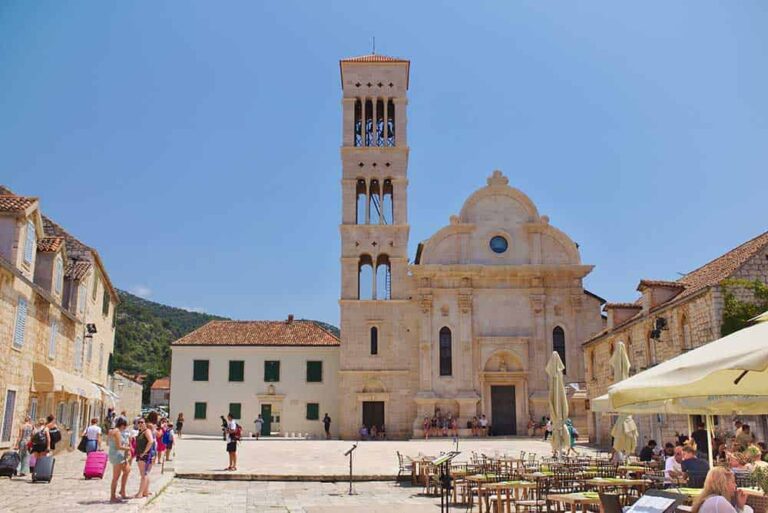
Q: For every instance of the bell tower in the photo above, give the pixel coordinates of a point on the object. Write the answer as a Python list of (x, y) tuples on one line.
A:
[(374, 226)]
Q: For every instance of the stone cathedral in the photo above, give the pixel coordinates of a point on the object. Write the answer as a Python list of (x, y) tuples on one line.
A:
[(467, 326)]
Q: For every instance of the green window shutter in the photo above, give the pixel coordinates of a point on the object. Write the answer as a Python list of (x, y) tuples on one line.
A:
[(200, 410), (272, 371), (235, 410), (236, 370), (200, 370), (313, 411), (314, 372)]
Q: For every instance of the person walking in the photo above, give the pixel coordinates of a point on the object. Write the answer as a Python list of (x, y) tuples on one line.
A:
[(259, 425), (93, 436), (327, 426), (118, 450), (53, 429), (25, 439), (547, 429), (572, 434), (179, 424), (41, 440), (233, 437), (144, 449)]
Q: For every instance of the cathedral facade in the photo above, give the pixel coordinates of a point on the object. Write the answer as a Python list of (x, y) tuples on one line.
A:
[(467, 327)]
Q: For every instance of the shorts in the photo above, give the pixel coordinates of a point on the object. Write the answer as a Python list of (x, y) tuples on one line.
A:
[(39, 448), (231, 446), (147, 460)]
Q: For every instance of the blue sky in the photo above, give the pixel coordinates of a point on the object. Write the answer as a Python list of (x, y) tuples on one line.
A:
[(196, 144)]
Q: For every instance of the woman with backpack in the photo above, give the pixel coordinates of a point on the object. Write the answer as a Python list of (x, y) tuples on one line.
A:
[(41, 440), (25, 440)]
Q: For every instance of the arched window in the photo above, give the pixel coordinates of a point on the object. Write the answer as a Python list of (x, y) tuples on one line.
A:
[(361, 195), (558, 344), (383, 278), (592, 364), (446, 360), (390, 123), (358, 123), (387, 204), (374, 210), (365, 278), (374, 340), (685, 327), (379, 123), (368, 116)]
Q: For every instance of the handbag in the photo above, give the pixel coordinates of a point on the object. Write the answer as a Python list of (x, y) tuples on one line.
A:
[(82, 444)]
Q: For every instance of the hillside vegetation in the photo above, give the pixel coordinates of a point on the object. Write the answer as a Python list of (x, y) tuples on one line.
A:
[(145, 330)]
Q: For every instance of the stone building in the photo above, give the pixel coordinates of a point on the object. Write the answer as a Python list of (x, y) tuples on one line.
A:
[(669, 318), (128, 392), (468, 326), (160, 392), (285, 371), (56, 321)]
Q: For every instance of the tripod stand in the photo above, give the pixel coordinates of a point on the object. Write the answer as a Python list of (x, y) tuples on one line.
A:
[(349, 453)]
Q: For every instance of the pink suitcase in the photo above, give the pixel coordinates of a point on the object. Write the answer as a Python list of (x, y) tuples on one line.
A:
[(95, 465)]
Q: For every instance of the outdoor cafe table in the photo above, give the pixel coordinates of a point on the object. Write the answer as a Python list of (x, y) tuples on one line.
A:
[(692, 493), (625, 470), (419, 468), (616, 482), (576, 500), (503, 490)]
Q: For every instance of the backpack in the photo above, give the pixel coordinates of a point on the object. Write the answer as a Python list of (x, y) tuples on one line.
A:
[(167, 437), (40, 438), (238, 432)]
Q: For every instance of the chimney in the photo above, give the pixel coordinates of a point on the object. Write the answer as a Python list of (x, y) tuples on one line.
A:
[(290, 319)]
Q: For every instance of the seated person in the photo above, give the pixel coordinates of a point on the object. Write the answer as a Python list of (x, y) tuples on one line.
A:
[(646, 453), (694, 467)]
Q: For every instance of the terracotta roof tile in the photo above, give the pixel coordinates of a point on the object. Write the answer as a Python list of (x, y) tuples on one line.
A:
[(723, 267), (373, 57), (162, 384), (660, 283), (50, 244), (13, 203), (77, 269), (259, 333), (609, 306)]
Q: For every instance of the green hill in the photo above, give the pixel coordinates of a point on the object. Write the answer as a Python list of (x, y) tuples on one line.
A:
[(144, 332)]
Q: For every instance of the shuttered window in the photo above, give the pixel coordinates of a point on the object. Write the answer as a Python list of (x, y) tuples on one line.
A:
[(58, 275), (313, 411), (29, 243), (21, 323), (200, 370), (272, 371), (236, 370), (78, 353), (52, 340), (314, 372), (81, 298), (105, 303), (235, 409), (201, 410)]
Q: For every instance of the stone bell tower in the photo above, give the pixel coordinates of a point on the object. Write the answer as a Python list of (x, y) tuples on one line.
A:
[(374, 241)]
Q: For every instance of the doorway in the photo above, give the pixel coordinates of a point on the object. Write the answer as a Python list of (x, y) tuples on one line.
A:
[(373, 413), (266, 415), (504, 419)]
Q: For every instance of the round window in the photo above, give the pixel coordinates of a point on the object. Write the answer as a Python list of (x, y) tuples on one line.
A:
[(499, 244)]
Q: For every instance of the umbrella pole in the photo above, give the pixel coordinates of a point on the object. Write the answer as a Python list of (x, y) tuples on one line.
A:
[(709, 440), (690, 426)]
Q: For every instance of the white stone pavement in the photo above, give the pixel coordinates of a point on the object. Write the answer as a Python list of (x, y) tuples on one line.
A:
[(69, 491)]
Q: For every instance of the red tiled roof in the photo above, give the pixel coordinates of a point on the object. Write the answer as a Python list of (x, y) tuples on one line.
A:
[(659, 283), (50, 244), (162, 384), (373, 57), (136, 378), (720, 268), (259, 333), (13, 203), (609, 306), (77, 269)]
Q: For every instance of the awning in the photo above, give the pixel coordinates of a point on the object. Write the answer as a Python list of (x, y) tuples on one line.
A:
[(108, 396), (51, 379)]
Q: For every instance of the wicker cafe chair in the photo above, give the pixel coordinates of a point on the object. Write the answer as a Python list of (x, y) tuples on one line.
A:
[(610, 503), (656, 477), (537, 500), (403, 465), (759, 504)]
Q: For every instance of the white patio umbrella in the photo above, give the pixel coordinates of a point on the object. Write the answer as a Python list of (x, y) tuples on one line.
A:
[(624, 431), (558, 404), (726, 376)]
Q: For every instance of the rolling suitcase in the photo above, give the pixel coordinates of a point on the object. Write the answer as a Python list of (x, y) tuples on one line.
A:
[(95, 465), (9, 462), (43, 470)]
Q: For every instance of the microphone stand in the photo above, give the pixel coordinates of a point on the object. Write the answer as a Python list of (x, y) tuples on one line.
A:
[(349, 453)]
